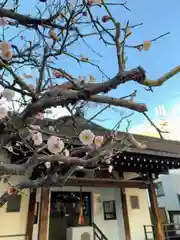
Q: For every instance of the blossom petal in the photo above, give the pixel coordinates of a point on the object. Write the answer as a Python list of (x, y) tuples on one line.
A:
[(86, 137), (47, 164), (98, 140), (55, 144), (37, 138)]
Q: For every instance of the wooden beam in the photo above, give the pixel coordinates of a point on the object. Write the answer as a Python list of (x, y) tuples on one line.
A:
[(44, 214), (30, 218), (91, 182), (125, 214), (158, 226)]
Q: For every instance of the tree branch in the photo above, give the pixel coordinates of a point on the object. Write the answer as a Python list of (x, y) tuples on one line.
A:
[(139, 107), (17, 79), (26, 20), (160, 81), (25, 184)]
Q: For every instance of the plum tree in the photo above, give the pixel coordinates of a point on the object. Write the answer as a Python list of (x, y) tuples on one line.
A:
[(34, 79)]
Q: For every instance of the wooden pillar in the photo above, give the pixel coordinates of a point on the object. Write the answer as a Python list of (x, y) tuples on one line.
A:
[(125, 214), (158, 226), (44, 214), (30, 218)]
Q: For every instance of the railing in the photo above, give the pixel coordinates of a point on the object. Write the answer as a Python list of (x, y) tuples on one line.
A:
[(15, 236), (98, 234), (172, 231)]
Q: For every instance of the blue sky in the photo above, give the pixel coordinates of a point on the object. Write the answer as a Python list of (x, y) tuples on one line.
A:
[(158, 17)]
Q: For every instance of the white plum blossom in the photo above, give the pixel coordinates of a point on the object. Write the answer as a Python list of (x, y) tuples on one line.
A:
[(55, 144), (51, 128), (86, 137), (8, 94), (98, 141), (47, 164), (10, 148), (3, 112), (37, 138), (66, 152), (110, 169)]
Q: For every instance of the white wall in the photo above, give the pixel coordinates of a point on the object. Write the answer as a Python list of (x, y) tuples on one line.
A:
[(113, 229), (171, 185), (15, 222), (138, 217)]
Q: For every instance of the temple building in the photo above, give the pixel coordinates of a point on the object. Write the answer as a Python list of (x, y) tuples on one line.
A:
[(102, 205)]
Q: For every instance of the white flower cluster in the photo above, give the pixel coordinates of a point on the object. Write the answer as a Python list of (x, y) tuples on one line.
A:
[(56, 145), (8, 94), (37, 138), (88, 138)]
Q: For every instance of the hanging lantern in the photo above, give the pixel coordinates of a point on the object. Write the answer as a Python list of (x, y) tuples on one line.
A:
[(81, 215)]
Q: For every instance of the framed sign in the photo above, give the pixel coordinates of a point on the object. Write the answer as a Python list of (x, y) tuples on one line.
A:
[(109, 210)]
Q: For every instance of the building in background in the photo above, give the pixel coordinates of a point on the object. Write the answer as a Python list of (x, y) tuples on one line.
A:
[(168, 195), (167, 186)]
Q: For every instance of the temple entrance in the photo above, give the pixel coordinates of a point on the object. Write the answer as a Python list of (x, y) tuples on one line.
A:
[(65, 212)]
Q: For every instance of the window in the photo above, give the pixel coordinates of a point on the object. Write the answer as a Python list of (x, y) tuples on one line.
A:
[(14, 203), (109, 210), (159, 189), (134, 202)]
